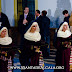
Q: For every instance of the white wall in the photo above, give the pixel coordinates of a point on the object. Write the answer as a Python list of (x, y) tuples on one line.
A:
[(47, 4), (55, 9), (8, 9)]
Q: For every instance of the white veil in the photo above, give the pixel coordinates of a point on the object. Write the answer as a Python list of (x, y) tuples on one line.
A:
[(62, 34), (33, 36), (6, 40)]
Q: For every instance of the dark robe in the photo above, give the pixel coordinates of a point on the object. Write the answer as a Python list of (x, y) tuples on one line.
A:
[(4, 64), (45, 25), (39, 20), (63, 54), (28, 56), (45, 34), (5, 21), (67, 19), (21, 26), (35, 62)]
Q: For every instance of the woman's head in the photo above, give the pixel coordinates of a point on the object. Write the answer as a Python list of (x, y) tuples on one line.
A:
[(3, 32), (34, 27), (65, 27)]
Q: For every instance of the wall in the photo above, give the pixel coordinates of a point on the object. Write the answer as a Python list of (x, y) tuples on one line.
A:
[(54, 9)]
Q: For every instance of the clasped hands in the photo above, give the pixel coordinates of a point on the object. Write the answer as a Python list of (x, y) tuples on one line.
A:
[(37, 49), (25, 21)]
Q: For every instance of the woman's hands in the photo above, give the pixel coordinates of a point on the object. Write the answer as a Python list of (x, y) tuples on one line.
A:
[(3, 52), (37, 49)]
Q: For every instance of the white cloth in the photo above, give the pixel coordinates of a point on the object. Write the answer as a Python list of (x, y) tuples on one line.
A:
[(33, 36), (6, 40), (63, 34)]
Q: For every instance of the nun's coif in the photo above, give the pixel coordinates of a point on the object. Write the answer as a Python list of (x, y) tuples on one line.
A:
[(6, 40), (63, 34), (33, 36)]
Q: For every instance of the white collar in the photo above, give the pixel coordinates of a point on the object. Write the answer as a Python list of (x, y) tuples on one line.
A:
[(65, 34), (25, 14), (39, 16), (5, 41), (33, 36)]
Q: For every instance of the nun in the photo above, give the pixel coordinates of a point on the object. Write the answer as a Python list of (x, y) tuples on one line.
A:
[(63, 45), (31, 54), (6, 55)]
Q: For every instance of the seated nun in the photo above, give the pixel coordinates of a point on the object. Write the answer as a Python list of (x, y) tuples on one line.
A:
[(63, 45), (6, 55), (31, 54)]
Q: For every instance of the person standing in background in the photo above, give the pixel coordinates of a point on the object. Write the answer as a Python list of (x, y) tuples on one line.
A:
[(37, 13), (24, 20), (38, 18), (4, 20), (45, 32), (67, 16)]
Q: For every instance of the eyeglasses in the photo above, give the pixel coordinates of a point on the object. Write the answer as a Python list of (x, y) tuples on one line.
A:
[(34, 26)]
